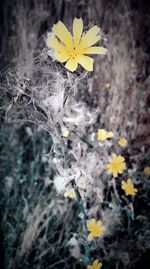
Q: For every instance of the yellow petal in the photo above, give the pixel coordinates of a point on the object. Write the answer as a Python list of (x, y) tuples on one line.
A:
[(110, 134), (71, 64), (115, 173), (77, 30), (86, 62), (91, 37), (52, 42), (90, 237), (62, 33), (99, 222), (129, 181), (96, 262), (91, 222), (113, 156), (120, 159), (95, 50), (61, 57), (123, 185)]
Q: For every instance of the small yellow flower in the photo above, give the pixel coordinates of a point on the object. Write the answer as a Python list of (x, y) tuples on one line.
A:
[(72, 49), (95, 265), (128, 187), (65, 133), (116, 165), (102, 135), (147, 170), (122, 142), (95, 228), (71, 194)]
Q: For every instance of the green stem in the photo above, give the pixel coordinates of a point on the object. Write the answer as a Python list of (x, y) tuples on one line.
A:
[(82, 209)]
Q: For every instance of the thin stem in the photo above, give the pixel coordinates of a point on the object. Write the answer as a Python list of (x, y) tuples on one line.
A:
[(82, 209)]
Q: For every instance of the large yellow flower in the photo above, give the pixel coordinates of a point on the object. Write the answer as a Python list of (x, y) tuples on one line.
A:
[(95, 265), (73, 49), (95, 228), (116, 165), (128, 187)]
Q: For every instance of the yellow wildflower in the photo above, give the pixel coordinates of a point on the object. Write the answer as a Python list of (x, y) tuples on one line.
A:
[(116, 165), (71, 194), (103, 134), (65, 133), (95, 265), (147, 170), (72, 49), (122, 142), (95, 228), (128, 187)]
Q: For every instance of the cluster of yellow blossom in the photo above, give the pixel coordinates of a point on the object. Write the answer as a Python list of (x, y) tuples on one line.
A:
[(73, 49), (116, 166), (95, 229)]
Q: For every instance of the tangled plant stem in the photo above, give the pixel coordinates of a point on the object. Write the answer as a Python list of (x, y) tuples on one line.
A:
[(87, 259)]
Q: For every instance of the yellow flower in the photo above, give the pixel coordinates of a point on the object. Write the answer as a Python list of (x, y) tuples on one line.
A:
[(128, 187), (95, 228), (72, 49), (65, 133), (147, 170), (122, 142), (71, 194), (95, 265), (116, 165), (103, 134)]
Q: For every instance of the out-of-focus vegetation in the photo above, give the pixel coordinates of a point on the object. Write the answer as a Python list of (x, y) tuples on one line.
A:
[(40, 228)]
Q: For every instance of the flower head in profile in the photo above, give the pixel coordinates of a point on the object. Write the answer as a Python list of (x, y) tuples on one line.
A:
[(70, 194), (147, 170), (65, 133), (122, 142), (128, 187), (116, 165), (95, 265), (73, 49), (95, 228), (102, 135)]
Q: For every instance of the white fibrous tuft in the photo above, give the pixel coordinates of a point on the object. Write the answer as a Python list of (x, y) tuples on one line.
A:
[(60, 183)]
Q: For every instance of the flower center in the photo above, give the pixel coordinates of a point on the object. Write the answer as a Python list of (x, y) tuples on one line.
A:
[(72, 53), (115, 166)]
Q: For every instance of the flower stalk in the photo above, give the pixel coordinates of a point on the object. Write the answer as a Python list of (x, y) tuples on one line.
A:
[(87, 258)]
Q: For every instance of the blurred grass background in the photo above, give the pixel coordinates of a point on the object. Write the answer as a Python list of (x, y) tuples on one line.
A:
[(36, 223)]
